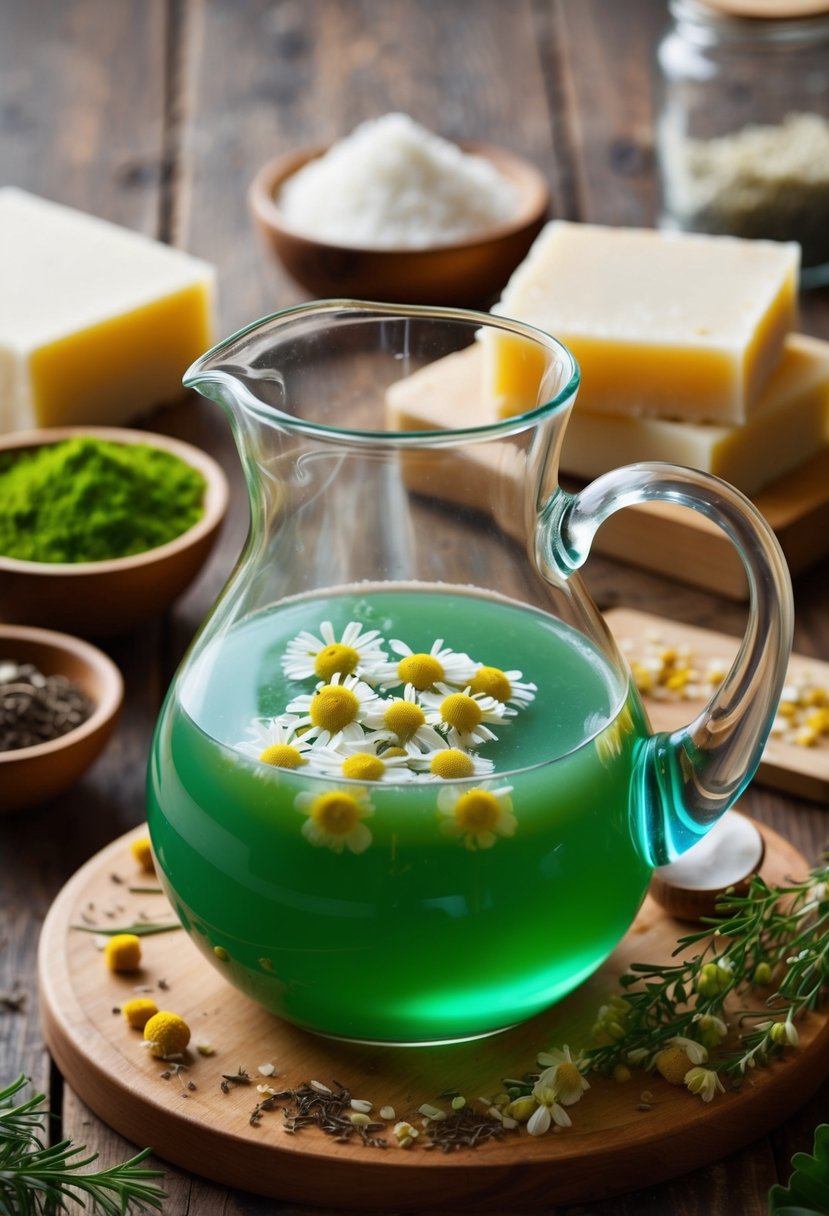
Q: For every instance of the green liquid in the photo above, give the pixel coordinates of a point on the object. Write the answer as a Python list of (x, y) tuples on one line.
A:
[(419, 938)]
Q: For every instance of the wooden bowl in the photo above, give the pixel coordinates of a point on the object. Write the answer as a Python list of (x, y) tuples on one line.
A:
[(97, 599), (31, 775), (724, 860), (463, 274)]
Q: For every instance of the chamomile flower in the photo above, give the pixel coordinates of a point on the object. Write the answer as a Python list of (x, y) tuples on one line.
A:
[(508, 687), (462, 716), (275, 742), (478, 816), (440, 666), (334, 711), (549, 1109), (402, 721), (361, 763), (334, 819), (562, 1072), (452, 764), (357, 652), (705, 1082)]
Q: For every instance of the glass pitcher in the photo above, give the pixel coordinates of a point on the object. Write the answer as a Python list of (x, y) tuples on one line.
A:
[(402, 788)]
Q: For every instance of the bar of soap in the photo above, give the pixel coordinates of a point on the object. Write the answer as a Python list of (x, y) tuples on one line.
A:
[(671, 325), (97, 323), (790, 424)]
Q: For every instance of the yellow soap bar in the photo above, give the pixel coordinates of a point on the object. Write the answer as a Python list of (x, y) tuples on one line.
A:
[(674, 325), (789, 424), (97, 323)]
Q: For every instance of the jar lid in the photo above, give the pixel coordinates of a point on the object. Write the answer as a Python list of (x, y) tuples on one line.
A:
[(768, 8)]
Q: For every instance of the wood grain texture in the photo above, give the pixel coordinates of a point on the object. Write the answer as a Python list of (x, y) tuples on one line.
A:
[(154, 114), (612, 1145), (800, 770)]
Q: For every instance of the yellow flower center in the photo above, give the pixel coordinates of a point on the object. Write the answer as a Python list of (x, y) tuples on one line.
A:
[(336, 658), (451, 763), (282, 755), (403, 718), (422, 670), (461, 711), (492, 682), (363, 766), (477, 811), (388, 752), (333, 707), (568, 1078), (335, 813)]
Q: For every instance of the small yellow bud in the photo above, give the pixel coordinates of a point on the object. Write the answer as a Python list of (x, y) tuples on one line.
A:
[(139, 1011), (123, 952), (762, 975), (167, 1034), (621, 1073), (673, 1064), (522, 1108), (141, 850)]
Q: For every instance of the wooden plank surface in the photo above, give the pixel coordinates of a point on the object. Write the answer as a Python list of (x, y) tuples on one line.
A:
[(154, 114)]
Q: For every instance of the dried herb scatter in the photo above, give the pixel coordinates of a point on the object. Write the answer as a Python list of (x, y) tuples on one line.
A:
[(313, 1104)]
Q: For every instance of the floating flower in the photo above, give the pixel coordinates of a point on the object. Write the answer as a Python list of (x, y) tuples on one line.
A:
[(452, 764), (402, 720), (335, 819), (359, 763), (705, 1082), (440, 666), (463, 715), (505, 686), (478, 816), (563, 1074), (357, 652), (276, 742), (333, 712)]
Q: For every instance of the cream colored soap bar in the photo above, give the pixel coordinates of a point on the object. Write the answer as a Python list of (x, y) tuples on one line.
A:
[(97, 323), (663, 324), (790, 424)]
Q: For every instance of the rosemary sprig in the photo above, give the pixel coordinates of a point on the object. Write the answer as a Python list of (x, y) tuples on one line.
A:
[(773, 939), (36, 1178)]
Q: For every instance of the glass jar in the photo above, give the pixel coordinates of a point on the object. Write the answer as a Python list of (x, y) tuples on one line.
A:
[(742, 130)]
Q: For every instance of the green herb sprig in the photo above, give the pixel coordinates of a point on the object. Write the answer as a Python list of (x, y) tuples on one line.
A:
[(771, 939), (37, 1178)]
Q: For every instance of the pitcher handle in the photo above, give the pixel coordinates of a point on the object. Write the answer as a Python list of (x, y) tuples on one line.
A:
[(686, 779)]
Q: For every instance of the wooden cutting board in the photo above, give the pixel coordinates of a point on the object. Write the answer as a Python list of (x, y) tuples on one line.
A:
[(803, 771), (613, 1145), (688, 547)]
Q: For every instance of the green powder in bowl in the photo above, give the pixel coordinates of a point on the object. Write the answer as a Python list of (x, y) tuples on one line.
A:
[(87, 499)]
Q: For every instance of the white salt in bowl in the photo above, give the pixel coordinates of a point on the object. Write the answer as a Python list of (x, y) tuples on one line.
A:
[(464, 273)]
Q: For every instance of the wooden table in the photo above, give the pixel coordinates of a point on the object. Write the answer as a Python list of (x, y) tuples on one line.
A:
[(155, 114)]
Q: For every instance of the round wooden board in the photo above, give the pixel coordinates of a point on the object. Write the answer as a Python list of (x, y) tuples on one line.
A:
[(612, 1146)]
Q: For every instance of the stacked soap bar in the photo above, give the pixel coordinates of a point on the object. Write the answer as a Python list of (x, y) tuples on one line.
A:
[(97, 323), (686, 350), (663, 324)]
